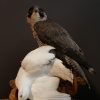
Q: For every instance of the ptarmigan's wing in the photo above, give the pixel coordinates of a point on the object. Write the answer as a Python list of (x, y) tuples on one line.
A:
[(45, 88), (61, 71)]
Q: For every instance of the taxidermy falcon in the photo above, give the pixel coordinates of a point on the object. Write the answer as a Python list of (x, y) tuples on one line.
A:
[(38, 63), (46, 31)]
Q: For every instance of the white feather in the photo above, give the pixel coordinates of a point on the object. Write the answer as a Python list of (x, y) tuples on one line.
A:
[(23, 83), (45, 88), (61, 71)]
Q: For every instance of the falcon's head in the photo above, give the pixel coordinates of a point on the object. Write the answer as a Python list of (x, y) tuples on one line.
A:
[(35, 14)]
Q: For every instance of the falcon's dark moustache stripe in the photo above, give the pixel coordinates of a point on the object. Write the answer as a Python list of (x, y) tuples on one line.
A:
[(30, 11)]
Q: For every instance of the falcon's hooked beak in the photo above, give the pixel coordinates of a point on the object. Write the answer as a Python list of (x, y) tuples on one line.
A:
[(36, 14)]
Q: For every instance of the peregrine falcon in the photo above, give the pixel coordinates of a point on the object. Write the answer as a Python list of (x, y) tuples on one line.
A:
[(47, 31)]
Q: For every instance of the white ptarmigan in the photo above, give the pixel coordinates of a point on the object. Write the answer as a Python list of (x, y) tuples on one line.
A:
[(39, 62)]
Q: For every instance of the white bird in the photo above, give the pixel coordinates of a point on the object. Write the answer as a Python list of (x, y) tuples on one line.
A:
[(24, 82), (37, 63), (45, 88)]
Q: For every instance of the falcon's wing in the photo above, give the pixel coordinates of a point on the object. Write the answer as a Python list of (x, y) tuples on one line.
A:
[(76, 68), (53, 34), (61, 66)]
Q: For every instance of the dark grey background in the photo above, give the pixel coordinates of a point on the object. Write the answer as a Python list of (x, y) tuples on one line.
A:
[(80, 17)]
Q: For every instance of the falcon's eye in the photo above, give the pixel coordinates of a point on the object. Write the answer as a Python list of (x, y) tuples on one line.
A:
[(41, 12)]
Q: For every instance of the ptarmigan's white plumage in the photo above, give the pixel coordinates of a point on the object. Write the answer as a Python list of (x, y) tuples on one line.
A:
[(38, 63), (24, 82), (45, 88), (59, 70)]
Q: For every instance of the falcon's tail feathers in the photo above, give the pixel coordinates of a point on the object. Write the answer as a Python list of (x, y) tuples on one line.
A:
[(80, 59)]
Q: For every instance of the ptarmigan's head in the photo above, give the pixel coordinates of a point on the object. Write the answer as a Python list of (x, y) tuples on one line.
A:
[(35, 14), (41, 58)]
